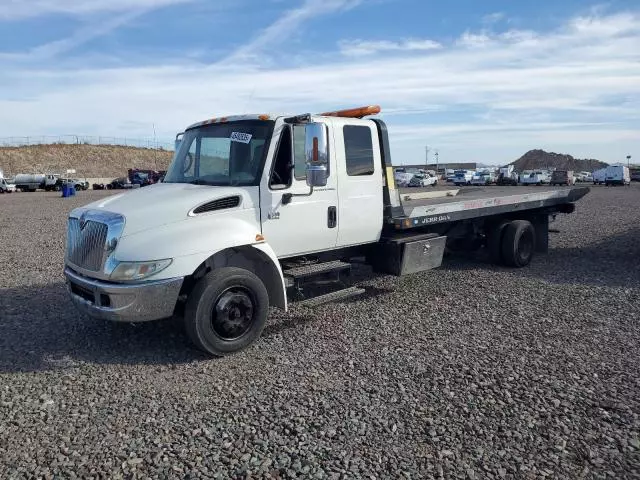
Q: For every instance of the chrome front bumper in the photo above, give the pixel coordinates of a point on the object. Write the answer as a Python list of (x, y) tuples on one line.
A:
[(139, 302)]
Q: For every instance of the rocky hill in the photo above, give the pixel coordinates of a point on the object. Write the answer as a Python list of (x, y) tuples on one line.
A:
[(535, 159), (89, 161)]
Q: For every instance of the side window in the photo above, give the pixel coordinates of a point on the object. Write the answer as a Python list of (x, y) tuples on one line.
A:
[(358, 148), (282, 171)]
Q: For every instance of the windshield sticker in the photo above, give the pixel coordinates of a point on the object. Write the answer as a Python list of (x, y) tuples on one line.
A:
[(240, 137)]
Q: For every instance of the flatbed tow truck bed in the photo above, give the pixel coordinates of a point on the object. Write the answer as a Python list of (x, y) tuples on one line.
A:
[(478, 202)]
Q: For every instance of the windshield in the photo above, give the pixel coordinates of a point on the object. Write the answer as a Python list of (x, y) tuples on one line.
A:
[(221, 154)]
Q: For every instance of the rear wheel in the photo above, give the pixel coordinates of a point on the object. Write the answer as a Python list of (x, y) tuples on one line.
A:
[(226, 311), (518, 243)]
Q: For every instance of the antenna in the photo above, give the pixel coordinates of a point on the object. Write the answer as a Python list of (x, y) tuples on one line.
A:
[(155, 145)]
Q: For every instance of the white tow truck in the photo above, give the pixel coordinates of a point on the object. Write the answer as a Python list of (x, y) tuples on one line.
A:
[(256, 210)]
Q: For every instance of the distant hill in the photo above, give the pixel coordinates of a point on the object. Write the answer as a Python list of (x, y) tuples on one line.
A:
[(537, 159), (89, 161)]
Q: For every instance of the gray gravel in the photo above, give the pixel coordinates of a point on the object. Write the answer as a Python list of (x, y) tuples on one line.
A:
[(470, 371)]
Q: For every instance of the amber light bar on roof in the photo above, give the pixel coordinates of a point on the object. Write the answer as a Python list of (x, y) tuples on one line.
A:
[(354, 112)]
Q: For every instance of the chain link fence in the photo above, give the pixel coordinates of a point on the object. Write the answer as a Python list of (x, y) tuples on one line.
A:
[(84, 140)]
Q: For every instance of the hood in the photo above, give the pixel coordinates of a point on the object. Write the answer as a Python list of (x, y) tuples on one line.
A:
[(164, 203)]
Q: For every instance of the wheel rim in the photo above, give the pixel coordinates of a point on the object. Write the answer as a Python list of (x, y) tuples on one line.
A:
[(233, 313), (525, 246)]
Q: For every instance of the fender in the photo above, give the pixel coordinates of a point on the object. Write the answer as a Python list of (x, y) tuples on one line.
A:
[(195, 240), (282, 294)]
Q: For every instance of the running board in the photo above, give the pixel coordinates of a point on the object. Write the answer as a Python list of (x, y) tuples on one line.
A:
[(317, 269), (331, 297)]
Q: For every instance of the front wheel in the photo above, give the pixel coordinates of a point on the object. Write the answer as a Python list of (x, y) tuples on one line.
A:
[(226, 311)]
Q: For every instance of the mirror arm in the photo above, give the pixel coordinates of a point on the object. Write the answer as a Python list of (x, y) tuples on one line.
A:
[(286, 197)]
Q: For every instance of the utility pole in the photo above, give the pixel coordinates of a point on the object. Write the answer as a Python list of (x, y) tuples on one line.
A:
[(426, 165), (436, 163), (628, 161)]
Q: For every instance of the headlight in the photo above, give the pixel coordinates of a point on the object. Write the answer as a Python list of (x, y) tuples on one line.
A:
[(138, 270)]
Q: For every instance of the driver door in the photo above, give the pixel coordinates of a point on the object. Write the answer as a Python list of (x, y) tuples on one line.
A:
[(308, 223)]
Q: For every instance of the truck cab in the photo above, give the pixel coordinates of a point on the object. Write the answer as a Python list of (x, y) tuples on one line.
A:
[(7, 186), (242, 194)]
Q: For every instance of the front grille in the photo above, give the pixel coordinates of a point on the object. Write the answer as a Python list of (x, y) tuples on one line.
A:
[(86, 246)]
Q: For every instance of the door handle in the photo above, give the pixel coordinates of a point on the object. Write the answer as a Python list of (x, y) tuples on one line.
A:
[(332, 217)]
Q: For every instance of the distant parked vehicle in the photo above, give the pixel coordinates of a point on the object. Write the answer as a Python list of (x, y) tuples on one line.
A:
[(507, 176), (587, 177), (121, 183), (617, 175), (28, 182), (538, 177), (402, 177), (78, 184), (463, 177), (7, 186), (583, 177), (483, 178), (562, 177), (423, 180), (450, 175), (599, 176), (144, 177), (634, 174)]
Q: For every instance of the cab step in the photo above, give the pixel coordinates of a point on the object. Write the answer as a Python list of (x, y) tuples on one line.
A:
[(312, 270), (332, 297)]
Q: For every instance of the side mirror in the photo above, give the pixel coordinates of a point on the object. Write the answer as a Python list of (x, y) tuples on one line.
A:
[(316, 154)]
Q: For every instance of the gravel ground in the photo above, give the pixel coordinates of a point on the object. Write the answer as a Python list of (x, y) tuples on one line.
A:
[(469, 371)]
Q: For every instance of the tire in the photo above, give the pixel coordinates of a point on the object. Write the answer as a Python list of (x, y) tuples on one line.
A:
[(518, 243), (242, 303), (494, 241)]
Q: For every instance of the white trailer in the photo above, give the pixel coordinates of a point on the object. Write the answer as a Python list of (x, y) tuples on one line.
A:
[(254, 208)]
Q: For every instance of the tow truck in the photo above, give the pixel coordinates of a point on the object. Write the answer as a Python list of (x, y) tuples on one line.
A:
[(256, 211)]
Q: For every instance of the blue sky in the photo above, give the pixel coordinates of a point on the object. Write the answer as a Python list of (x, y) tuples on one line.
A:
[(477, 80)]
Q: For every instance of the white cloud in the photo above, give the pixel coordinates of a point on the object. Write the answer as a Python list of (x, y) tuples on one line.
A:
[(20, 9), (493, 18), (575, 87), (364, 47), (285, 26), (474, 40)]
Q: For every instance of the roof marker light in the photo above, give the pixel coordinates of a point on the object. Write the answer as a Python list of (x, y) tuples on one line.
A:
[(354, 112)]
